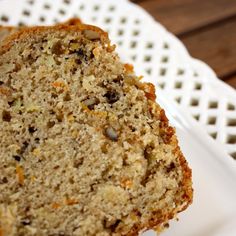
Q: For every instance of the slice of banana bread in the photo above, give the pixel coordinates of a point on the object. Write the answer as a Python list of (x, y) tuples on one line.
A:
[(84, 150)]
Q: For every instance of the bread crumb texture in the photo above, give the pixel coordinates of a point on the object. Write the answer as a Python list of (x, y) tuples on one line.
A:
[(5, 31), (84, 149)]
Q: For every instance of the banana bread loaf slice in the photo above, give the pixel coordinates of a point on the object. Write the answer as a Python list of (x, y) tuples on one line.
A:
[(85, 149)]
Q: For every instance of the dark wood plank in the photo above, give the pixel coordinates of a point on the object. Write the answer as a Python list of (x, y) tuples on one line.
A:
[(232, 81), (216, 46), (180, 16)]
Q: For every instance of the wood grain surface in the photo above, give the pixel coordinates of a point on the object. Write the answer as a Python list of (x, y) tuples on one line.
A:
[(206, 27)]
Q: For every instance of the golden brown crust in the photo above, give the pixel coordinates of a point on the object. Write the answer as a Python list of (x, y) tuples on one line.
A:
[(186, 182), (71, 21), (157, 223), (32, 31), (9, 28), (6, 31)]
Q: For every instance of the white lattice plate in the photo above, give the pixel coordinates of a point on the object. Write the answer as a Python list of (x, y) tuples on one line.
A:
[(186, 88)]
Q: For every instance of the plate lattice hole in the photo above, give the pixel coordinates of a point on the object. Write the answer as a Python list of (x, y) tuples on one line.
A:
[(231, 139), (213, 104), (194, 102), (233, 155), (62, 12), (136, 32), (133, 44), (196, 117), (31, 2), (166, 46), (26, 13), (123, 20), (134, 57), (162, 71), (231, 122), (120, 32), (42, 18), (149, 71), (21, 23), (149, 45), (96, 8), (81, 7), (197, 86), (178, 84), (147, 58), (47, 6), (211, 120), (213, 135), (180, 72), (162, 85), (67, 2), (164, 59), (112, 8), (231, 107), (107, 20), (178, 99), (4, 18)]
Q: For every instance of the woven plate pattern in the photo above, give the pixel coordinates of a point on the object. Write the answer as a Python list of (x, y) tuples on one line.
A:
[(155, 53)]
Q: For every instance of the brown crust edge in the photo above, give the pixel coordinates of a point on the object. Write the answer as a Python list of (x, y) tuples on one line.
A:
[(35, 30), (14, 29), (156, 221), (7, 27), (71, 21)]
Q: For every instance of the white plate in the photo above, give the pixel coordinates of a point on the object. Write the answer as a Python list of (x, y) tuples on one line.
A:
[(213, 212)]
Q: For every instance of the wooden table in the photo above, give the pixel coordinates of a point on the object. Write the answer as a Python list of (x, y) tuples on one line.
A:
[(206, 27)]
